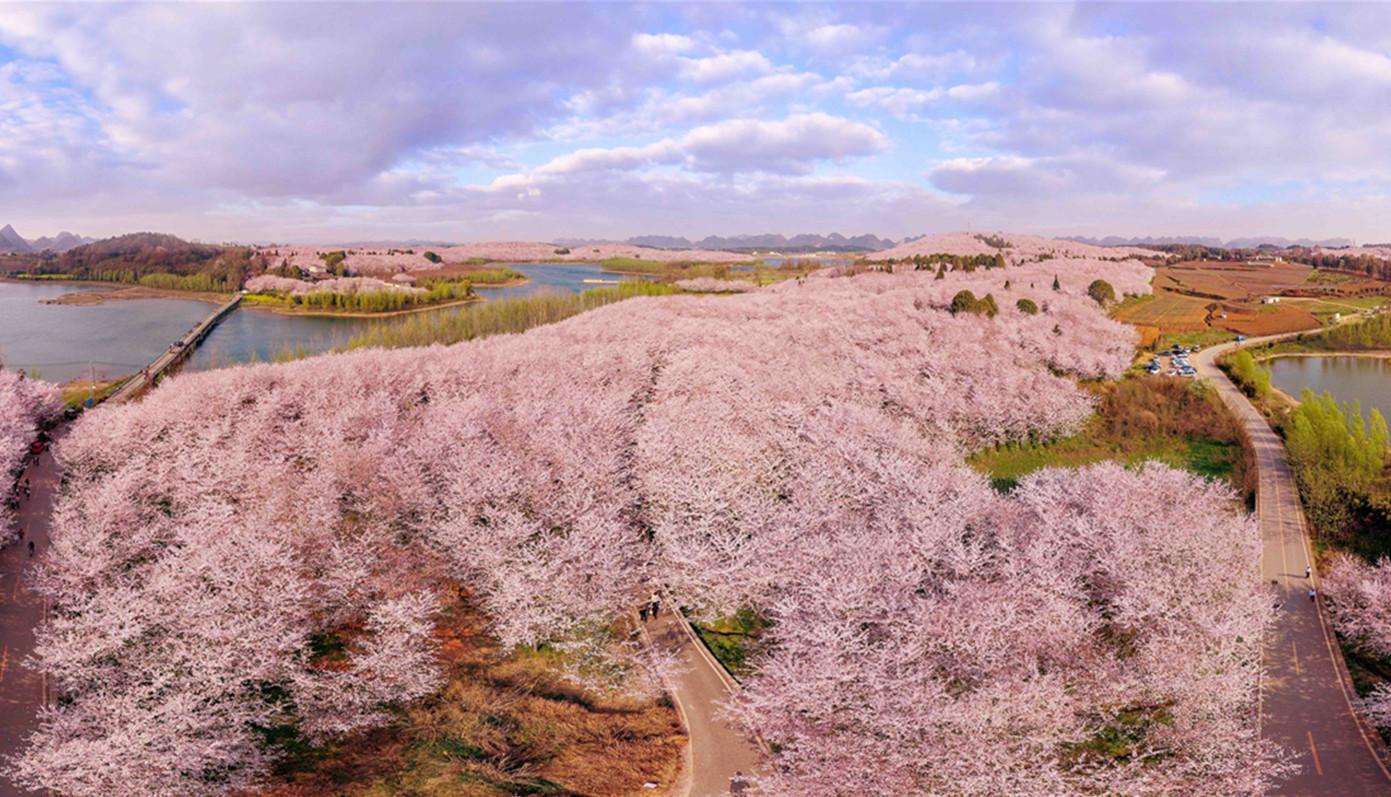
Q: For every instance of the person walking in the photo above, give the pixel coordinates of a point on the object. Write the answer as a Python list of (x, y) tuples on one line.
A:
[(1313, 594), (31, 547), (642, 611), (1308, 573), (654, 605)]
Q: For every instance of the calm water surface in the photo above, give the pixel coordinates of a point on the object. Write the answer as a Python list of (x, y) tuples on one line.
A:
[(120, 337), (1363, 379), (59, 341)]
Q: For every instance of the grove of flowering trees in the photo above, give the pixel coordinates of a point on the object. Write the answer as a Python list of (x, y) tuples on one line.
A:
[(797, 450), (25, 405), (1360, 605)]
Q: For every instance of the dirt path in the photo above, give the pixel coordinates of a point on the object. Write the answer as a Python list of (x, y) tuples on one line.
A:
[(718, 751), (1305, 694), (23, 691)]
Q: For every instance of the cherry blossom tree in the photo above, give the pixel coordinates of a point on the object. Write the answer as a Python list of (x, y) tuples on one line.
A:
[(25, 406), (1359, 603), (797, 449)]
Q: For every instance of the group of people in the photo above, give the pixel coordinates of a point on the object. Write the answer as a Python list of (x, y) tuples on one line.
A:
[(651, 608)]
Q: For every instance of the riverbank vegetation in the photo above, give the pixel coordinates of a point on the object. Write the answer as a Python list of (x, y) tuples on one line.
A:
[(1339, 459), (354, 294), (296, 531), (500, 316)]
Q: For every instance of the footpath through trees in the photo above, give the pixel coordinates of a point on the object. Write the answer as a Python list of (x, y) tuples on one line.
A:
[(23, 691), (1306, 694)]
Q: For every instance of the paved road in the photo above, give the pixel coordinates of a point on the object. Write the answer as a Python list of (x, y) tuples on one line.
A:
[(1305, 694), (22, 691), (718, 751)]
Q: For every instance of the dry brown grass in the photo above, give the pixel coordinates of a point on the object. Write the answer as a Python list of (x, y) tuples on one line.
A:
[(505, 724)]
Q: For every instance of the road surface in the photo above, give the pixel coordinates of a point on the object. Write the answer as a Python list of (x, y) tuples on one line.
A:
[(1305, 702), (22, 691), (718, 751)]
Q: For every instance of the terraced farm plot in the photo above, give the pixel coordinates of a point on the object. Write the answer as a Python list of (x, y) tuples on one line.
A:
[(1170, 312), (1230, 280), (1269, 319)]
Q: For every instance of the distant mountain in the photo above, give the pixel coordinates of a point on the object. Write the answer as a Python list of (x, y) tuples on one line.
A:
[(1195, 240), (11, 242), (59, 243)]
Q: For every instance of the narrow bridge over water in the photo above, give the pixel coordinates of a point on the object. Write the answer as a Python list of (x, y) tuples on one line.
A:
[(174, 355)]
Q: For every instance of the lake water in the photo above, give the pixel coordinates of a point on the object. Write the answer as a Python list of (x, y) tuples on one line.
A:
[(59, 341), (1363, 379), (555, 278), (121, 337)]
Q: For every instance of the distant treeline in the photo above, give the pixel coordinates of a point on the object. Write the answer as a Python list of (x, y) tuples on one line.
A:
[(154, 260)]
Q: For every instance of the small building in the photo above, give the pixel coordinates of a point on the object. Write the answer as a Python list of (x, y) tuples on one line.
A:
[(1265, 260), (1271, 300)]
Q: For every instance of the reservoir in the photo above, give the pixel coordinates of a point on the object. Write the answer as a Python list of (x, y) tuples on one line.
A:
[(62, 341), (1363, 379)]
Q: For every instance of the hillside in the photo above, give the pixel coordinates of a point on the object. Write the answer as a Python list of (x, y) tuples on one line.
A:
[(795, 450), (389, 260), (1015, 248), (153, 259)]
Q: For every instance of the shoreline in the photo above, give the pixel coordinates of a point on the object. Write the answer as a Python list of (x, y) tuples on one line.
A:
[(1370, 355), (115, 292), (286, 311)]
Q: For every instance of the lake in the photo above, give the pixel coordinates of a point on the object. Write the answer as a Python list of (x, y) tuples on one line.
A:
[(115, 338), (1363, 379)]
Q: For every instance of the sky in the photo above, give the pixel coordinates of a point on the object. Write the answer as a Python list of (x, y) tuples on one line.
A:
[(464, 122)]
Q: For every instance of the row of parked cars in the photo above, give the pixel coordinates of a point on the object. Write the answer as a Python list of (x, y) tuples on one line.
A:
[(1178, 361)]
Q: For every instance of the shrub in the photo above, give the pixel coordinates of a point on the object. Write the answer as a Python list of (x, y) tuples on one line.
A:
[(964, 302), (1249, 375), (1102, 292), (433, 258), (1027, 306)]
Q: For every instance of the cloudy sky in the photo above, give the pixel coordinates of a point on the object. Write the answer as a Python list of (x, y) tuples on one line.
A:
[(469, 122)]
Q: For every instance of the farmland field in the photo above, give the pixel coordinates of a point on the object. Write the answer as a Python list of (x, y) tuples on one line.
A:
[(1170, 312), (1212, 300)]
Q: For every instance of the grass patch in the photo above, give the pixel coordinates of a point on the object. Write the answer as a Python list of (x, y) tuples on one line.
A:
[(505, 723), (500, 316), (1139, 419), (1006, 465), (733, 640)]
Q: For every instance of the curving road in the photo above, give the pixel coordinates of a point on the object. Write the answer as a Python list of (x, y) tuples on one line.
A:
[(23, 691), (1306, 694), (718, 752)]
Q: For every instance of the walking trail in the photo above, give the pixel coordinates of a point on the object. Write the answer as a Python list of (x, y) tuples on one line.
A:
[(718, 752), (23, 691), (1306, 693)]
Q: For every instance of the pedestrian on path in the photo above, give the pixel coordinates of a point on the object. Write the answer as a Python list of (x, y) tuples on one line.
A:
[(642, 611), (31, 547), (1308, 572), (1312, 594), (654, 605)]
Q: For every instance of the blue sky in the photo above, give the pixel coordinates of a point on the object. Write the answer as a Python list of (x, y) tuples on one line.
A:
[(321, 122)]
